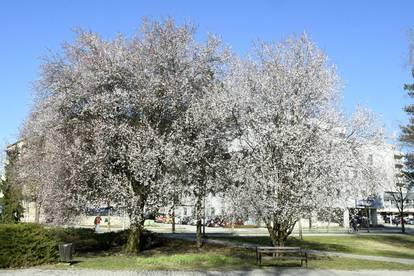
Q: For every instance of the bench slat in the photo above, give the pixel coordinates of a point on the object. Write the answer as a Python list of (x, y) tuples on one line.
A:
[(277, 247), (285, 257), (279, 252)]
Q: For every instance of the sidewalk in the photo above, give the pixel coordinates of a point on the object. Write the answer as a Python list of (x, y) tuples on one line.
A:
[(386, 230), (255, 272)]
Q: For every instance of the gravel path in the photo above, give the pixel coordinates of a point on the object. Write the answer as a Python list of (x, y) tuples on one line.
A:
[(257, 272)]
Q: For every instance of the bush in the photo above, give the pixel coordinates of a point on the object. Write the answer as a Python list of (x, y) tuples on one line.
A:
[(29, 244), (86, 240), (26, 245)]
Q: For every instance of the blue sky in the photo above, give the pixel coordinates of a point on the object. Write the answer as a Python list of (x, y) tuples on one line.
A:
[(365, 39)]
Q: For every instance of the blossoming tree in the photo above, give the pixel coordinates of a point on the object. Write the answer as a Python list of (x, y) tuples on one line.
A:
[(294, 145), (109, 108)]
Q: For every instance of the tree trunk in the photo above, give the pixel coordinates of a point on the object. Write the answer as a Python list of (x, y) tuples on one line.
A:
[(134, 243), (173, 219), (329, 223), (402, 211), (199, 235), (37, 211), (402, 222), (278, 233), (109, 219)]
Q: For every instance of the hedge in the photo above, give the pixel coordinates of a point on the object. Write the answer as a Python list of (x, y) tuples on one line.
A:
[(26, 245), (86, 240), (29, 244)]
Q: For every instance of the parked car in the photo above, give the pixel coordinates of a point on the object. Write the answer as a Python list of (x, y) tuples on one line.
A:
[(410, 221), (149, 215), (186, 220), (398, 220), (193, 222), (161, 218)]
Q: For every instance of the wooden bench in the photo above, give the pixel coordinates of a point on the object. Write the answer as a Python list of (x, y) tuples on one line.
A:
[(286, 253)]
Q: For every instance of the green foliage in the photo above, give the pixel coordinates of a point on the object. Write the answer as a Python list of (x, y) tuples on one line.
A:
[(407, 131), (12, 210), (25, 245), (29, 244), (86, 240)]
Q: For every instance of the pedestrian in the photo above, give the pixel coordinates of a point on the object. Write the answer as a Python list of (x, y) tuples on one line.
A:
[(97, 223), (354, 224)]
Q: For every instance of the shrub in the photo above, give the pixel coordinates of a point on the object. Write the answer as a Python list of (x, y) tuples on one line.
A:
[(26, 245), (86, 240)]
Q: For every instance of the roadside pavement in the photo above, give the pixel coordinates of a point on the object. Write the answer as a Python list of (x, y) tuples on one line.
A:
[(255, 272)]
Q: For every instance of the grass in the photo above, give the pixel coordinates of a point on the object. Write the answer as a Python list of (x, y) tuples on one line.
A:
[(191, 261), (399, 246), (183, 255), (207, 261)]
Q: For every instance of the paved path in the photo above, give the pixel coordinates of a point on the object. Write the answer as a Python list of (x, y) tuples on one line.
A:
[(166, 228), (318, 252), (262, 231), (256, 272)]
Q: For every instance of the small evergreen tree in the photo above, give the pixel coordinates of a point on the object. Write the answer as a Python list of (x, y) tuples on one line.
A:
[(12, 209), (407, 137)]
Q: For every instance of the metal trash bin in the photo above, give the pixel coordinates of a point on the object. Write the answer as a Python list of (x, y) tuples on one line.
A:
[(66, 252)]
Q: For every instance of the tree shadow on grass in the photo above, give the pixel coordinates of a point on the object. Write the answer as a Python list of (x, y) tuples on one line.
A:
[(405, 241), (176, 246), (295, 242), (318, 246)]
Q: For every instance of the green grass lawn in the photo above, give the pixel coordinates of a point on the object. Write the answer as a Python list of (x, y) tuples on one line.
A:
[(183, 255), (222, 262), (400, 246)]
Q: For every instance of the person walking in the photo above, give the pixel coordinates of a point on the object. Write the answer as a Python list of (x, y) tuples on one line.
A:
[(97, 223)]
